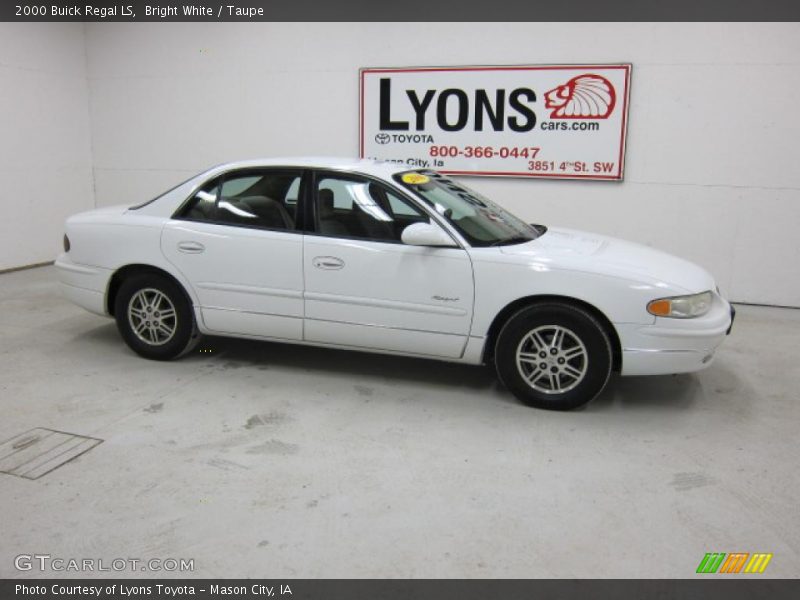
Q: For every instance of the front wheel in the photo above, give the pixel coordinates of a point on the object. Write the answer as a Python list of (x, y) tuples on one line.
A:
[(554, 355), (154, 317)]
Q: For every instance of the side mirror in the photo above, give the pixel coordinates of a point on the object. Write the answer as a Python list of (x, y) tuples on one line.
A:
[(426, 234)]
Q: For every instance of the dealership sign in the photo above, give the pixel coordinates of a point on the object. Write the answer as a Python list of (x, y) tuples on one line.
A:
[(517, 121)]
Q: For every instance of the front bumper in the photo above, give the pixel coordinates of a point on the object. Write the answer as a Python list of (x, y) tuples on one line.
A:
[(733, 316), (675, 345)]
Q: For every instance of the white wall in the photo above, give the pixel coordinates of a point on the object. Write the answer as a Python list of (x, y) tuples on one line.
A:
[(712, 164), (45, 157)]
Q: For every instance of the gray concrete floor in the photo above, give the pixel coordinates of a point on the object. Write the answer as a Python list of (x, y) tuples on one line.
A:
[(267, 460)]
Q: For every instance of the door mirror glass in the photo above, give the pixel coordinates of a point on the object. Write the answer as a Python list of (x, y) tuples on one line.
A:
[(426, 234)]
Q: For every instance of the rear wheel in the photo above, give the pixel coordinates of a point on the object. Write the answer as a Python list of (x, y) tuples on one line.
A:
[(554, 356), (154, 317)]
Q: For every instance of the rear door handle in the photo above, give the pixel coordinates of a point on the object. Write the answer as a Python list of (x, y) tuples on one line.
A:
[(191, 247), (328, 262)]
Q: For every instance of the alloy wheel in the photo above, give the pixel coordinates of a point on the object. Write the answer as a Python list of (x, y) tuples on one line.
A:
[(552, 359), (152, 316)]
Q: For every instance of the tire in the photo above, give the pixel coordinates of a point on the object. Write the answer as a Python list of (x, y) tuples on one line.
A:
[(155, 317), (568, 342)]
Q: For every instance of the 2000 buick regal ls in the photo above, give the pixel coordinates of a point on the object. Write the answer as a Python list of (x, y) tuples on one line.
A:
[(372, 256)]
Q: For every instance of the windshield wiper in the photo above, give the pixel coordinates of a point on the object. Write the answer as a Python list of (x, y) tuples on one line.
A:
[(517, 239), (540, 229)]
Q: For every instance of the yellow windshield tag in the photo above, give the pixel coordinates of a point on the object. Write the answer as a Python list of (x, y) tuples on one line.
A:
[(415, 178)]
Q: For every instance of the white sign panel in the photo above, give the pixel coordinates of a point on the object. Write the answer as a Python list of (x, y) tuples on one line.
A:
[(521, 121)]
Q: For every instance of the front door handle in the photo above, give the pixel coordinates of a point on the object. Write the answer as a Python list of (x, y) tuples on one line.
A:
[(191, 247), (328, 262)]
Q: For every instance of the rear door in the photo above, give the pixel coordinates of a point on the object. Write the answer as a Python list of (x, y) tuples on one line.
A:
[(238, 244), (366, 289)]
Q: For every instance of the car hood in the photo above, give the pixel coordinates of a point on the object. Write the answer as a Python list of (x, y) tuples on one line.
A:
[(584, 251)]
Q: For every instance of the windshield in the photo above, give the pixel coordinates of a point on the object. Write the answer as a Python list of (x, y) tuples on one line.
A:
[(479, 220)]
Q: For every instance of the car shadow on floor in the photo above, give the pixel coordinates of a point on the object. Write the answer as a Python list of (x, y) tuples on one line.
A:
[(235, 353), (668, 392), (391, 369)]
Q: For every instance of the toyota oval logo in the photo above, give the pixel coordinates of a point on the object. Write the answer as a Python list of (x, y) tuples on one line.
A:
[(382, 138)]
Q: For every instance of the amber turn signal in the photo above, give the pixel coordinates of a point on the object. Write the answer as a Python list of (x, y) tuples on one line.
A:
[(660, 308)]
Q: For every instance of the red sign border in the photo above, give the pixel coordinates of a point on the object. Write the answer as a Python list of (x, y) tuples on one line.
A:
[(627, 67)]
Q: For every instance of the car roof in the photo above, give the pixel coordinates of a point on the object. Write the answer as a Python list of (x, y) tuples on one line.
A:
[(365, 166), (164, 204)]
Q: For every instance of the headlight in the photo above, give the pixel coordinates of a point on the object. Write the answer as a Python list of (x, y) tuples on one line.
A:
[(681, 307), (66, 243)]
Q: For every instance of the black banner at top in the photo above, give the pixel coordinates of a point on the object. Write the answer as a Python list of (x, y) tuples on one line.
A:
[(404, 10)]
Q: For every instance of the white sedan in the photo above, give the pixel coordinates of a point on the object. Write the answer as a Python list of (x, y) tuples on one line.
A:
[(372, 256)]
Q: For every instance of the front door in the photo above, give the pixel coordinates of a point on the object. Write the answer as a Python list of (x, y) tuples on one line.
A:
[(364, 288)]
